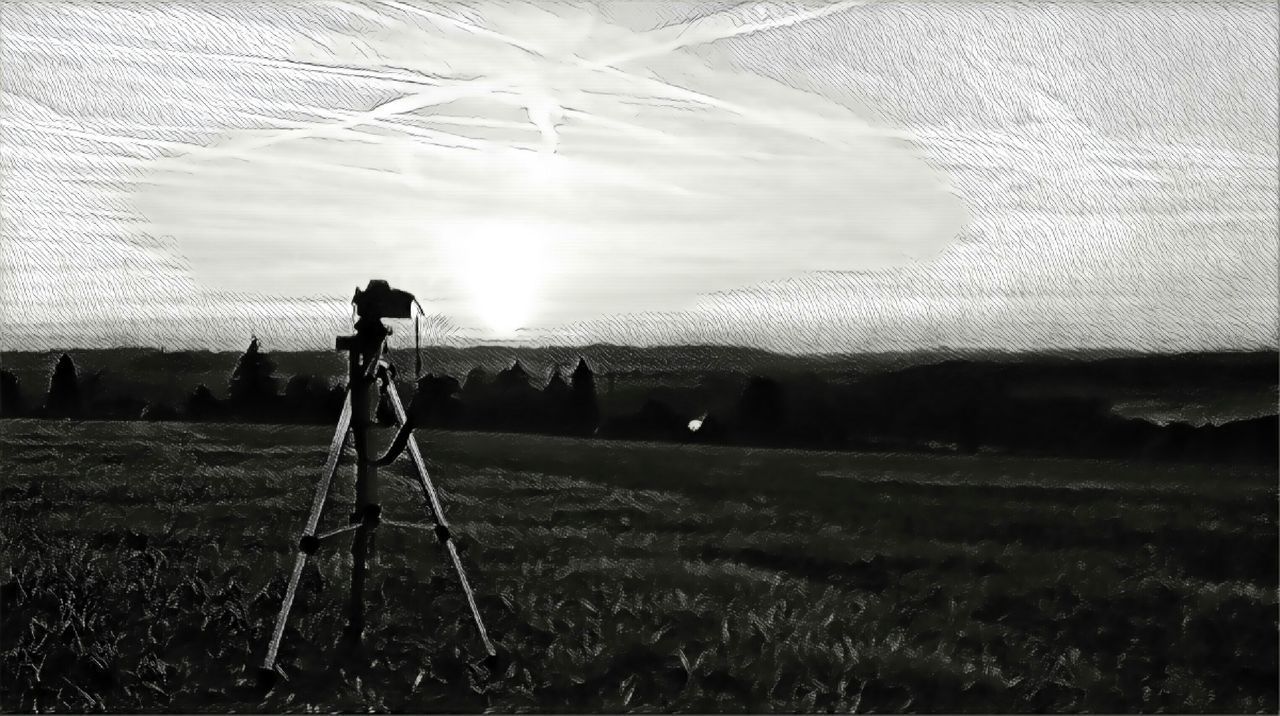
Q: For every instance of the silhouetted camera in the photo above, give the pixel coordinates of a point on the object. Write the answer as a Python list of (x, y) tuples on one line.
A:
[(379, 300)]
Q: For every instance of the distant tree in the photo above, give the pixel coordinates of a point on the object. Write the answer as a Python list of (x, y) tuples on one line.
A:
[(203, 405), (297, 389), (514, 400), (335, 396), (435, 402), (655, 420), (11, 401), (513, 379), (584, 406), (63, 400), (476, 382), (306, 400), (761, 410), (556, 385), (813, 413), (253, 388), (478, 406), (556, 403), (90, 392)]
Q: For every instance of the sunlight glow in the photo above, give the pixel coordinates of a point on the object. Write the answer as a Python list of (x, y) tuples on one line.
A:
[(503, 266)]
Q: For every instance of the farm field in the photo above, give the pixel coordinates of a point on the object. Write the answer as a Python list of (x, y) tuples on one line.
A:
[(144, 563)]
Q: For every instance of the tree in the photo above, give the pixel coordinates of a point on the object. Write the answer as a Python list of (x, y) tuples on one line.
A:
[(516, 401), (90, 391), (813, 413), (477, 400), (297, 389), (556, 385), (253, 388), (556, 402), (513, 379), (584, 407), (63, 400), (305, 399), (11, 402), (657, 421), (476, 383), (202, 405), (435, 403), (335, 396), (760, 410)]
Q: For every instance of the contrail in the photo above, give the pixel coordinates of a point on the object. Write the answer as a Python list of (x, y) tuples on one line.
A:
[(444, 140), (685, 38), (189, 149), (400, 105), (764, 118), (417, 79), (540, 113), (447, 119), (669, 89), (469, 27), (439, 93)]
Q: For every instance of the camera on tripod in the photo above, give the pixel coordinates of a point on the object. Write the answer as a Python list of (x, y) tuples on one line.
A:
[(368, 365), (376, 302), (379, 300)]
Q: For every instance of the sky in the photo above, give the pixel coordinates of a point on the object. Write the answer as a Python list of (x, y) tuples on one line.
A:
[(801, 177)]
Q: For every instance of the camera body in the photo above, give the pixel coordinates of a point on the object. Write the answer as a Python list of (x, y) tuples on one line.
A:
[(378, 300)]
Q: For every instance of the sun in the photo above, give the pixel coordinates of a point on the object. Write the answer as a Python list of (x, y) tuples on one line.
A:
[(503, 269)]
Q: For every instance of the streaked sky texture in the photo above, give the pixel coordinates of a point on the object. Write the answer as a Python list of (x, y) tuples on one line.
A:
[(829, 177)]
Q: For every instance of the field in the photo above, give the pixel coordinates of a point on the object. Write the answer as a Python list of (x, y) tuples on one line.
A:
[(144, 564)]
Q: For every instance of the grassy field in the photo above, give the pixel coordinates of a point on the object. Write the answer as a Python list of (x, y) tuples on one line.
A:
[(143, 565)]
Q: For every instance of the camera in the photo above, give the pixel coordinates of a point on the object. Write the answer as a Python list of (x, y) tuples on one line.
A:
[(379, 300)]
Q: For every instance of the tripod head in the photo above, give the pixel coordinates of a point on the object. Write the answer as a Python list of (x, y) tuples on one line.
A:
[(378, 300)]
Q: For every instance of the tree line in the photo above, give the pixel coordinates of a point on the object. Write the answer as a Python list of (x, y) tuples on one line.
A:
[(954, 407), (254, 393)]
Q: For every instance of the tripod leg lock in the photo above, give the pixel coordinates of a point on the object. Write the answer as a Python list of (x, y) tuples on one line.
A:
[(309, 544), (370, 517), (442, 533)]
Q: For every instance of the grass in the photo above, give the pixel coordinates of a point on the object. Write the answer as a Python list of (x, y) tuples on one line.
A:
[(144, 564)]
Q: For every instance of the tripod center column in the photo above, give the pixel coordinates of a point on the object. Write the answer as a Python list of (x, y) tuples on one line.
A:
[(363, 407), (364, 352)]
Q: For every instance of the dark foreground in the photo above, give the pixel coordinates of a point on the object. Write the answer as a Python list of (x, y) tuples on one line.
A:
[(143, 565)]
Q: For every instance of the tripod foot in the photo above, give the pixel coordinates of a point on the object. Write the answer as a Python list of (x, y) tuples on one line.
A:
[(267, 678), (495, 663)]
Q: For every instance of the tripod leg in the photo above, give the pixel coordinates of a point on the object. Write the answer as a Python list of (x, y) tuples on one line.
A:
[(442, 526), (359, 567), (313, 520), (366, 514)]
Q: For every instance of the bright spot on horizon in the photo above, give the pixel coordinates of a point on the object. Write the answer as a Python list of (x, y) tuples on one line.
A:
[(695, 425), (503, 267)]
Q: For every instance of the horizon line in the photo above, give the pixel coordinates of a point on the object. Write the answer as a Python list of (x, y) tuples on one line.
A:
[(527, 346)]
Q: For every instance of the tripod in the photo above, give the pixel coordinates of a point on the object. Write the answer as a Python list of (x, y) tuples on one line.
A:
[(366, 365)]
